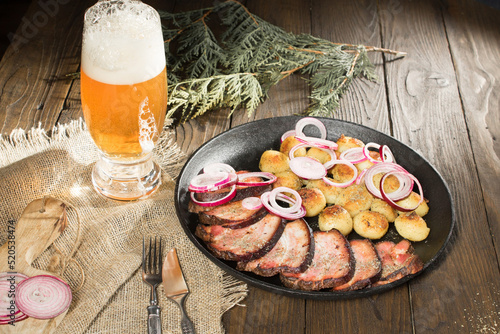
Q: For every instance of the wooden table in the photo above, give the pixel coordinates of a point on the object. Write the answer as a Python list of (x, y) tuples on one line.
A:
[(442, 100)]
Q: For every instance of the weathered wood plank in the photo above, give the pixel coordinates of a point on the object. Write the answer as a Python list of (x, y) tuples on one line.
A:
[(365, 103), (267, 312), (427, 115), (43, 49), (474, 34)]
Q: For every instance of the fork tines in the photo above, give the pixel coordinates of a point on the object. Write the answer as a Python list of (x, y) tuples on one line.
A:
[(153, 262)]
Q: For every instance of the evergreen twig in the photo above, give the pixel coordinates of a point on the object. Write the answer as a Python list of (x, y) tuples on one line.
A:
[(236, 68)]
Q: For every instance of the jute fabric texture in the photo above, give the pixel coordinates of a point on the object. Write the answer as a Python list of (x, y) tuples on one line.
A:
[(113, 298)]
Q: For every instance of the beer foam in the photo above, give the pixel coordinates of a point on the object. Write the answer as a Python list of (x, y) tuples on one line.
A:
[(122, 42)]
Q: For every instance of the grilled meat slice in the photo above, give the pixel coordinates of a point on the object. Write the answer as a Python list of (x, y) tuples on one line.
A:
[(398, 261), (292, 253), (244, 244), (232, 215), (368, 265), (332, 264)]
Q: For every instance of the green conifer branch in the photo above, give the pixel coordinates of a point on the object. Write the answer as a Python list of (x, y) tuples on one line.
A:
[(237, 67)]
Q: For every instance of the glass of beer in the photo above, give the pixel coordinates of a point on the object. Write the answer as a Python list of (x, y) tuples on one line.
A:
[(124, 95)]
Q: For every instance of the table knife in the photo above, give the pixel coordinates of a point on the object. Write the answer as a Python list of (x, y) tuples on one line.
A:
[(176, 289)]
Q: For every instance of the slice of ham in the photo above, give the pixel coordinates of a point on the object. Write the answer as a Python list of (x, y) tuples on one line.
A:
[(398, 261), (292, 253), (332, 264), (368, 266), (232, 215), (244, 244)]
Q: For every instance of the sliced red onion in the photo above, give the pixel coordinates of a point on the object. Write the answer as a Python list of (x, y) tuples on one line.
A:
[(391, 202), (386, 154), (273, 207), (354, 155), (252, 203), (405, 183), (7, 276), (230, 195), (8, 288), (318, 142), (366, 151), (271, 178), (360, 177), (210, 182), (303, 122), (43, 296), (287, 134), (279, 194), (218, 167), (347, 183), (307, 168), (19, 316)]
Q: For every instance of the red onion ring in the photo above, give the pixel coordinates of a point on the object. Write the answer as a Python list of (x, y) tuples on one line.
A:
[(354, 155), (301, 124), (360, 177), (271, 178), (282, 211), (391, 202), (43, 296), (386, 154), (210, 182), (405, 183), (218, 167), (230, 195), (252, 203), (366, 151), (343, 184), (307, 168), (318, 142), (287, 134)]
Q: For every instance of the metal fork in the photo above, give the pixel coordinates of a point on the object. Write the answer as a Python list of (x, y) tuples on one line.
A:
[(151, 274)]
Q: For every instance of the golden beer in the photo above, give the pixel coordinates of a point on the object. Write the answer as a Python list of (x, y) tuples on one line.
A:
[(124, 120), (124, 95)]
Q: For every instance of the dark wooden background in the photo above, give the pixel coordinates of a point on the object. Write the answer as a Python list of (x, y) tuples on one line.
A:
[(442, 100)]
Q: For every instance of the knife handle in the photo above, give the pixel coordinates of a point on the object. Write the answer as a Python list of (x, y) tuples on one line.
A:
[(154, 322), (187, 326)]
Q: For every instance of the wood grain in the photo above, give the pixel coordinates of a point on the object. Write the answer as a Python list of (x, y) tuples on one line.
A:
[(44, 49), (267, 312), (365, 103), (428, 116), (473, 31)]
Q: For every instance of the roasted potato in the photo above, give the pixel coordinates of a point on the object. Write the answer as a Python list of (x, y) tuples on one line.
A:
[(391, 182), (411, 201), (313, 201), (346, 143), (274, 162), (370, 224), (355, 199), (331, 192), (289, 143), (412, 227), (335, 216), (318, 154), (381, 206), (288, 179), (341, 173)]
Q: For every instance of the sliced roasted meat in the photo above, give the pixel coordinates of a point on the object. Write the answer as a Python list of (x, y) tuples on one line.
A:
[(244, 244), (368, 265), (332, 264), (398, 261), (232, 215), (292, 253), (242, 192)]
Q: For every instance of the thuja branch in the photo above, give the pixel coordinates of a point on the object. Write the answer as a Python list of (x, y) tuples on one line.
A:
[(236, 60)]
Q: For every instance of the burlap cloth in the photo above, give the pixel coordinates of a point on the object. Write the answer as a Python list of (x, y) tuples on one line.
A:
[(113, 298)]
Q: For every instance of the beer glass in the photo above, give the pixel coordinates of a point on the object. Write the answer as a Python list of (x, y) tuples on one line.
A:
[(124, 95)]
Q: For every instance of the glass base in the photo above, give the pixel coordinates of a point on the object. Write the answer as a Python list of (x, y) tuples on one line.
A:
[(126, 181)]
